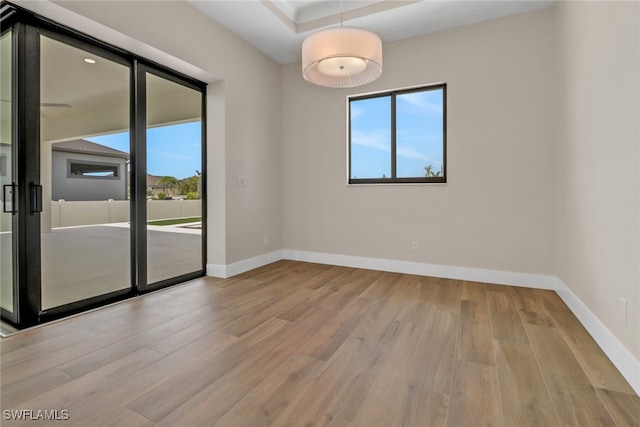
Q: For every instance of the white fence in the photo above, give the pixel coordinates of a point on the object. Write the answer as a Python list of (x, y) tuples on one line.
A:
[(66, 214)]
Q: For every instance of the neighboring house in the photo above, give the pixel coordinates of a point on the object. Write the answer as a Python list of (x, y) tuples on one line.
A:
[(84, 170), (154, 188)]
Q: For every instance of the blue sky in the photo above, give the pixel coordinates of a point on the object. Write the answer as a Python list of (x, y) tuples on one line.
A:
[(419, 135), (171, 150)]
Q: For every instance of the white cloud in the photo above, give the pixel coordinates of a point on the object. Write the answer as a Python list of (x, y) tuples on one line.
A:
[(356, 111), (376, 139), (421, 101), (412, 153), (380, 140)]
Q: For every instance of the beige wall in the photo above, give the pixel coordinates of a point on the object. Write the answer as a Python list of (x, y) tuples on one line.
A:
[(597, 208), (243, 120), (495, 212)]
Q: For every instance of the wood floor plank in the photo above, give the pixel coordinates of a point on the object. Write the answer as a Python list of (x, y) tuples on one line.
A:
[(263, 405), (381, 286), (219, 396), (432, 365), (599, 369), (23, 355), (317, 404), (128, 418), (474, 291), (92, 361), (220, 317), (357, 364), (265, 311), (475, 342), (294, 312), (30, 387), (380, 398), (192, 379), (324, 277), (525, 401), (449, 295), (420, 298), (384, 312), (348, 287), (417, 407), (624, 407), (72, 395), (320, 345), (161, 373), (572, 395), (506, 324), (331, 336), (532, 309), (474, 399), (7, 347)]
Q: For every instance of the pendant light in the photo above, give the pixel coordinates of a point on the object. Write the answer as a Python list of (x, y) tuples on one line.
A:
[(342, 57)]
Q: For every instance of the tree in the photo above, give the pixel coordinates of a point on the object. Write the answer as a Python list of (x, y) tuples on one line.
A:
[(188, 185), (193, 184), (169, 183), (429, 172)]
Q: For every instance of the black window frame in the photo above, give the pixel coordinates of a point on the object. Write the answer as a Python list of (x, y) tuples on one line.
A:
[(114, 167), (393, 179)]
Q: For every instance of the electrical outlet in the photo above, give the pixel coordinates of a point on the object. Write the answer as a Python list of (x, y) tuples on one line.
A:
[(415, 246), (622, 310), (241, 181), (265, 239)]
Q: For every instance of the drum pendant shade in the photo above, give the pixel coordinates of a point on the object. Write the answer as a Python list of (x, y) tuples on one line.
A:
[(342, 57)]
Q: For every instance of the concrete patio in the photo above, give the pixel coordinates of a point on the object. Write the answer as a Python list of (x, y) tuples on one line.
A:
[(83, 262)]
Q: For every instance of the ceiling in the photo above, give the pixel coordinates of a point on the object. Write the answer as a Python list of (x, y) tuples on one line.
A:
[(278, 27), (80, 99)]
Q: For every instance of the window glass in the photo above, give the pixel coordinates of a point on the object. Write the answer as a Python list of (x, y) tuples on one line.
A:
[(419, 134), (398, 137), (371, 138)]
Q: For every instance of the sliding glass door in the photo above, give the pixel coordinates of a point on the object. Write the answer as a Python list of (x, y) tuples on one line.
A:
[(174, 178), (110, 199), (84, 223), (7, 178)]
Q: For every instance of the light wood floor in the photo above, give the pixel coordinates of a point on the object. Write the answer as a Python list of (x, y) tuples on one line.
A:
[(307, 345)]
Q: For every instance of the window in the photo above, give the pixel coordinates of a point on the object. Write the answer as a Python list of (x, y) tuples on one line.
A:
[(398, 136), (93, 170)]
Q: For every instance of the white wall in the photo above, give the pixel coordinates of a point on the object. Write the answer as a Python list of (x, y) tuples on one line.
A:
[(495, 212), (598, 207), (243, 120)]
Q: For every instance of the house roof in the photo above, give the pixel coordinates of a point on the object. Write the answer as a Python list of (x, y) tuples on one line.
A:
[(152, 181), (87, 147)]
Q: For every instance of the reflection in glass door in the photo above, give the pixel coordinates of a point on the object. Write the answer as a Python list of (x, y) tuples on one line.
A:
[(7, 176), (85, 218), (174, 179)]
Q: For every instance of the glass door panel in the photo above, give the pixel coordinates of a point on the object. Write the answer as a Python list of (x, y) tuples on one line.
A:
[(84, 172), (7, 176), (174, 179)]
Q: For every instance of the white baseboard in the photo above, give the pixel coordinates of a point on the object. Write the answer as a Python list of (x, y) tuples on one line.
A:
[(422, 269), (621, 357), (230, 270)]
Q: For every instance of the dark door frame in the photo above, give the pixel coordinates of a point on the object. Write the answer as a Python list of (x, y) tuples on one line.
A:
[(27, 28)]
